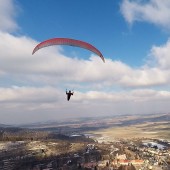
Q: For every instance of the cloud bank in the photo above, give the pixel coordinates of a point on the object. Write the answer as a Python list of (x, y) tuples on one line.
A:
[(49, 66)]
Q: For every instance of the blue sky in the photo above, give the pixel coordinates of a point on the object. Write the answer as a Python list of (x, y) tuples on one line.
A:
[(133, 36)]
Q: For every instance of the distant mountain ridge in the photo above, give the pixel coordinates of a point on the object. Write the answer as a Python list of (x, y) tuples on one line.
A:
[(161, 118), (117, 120)]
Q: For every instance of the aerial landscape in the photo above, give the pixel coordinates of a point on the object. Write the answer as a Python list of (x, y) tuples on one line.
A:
[(111, 143), (84, 85)]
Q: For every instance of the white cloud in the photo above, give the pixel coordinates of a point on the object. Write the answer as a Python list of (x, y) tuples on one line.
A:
[(37, 104), (161, 55), (152, 11), (7, 15), (50, 67), (29, 95)]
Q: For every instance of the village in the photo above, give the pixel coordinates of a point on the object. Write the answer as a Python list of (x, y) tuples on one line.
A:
[(82, 152)]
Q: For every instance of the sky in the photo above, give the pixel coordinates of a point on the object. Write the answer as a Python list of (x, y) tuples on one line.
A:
[(132, 35)]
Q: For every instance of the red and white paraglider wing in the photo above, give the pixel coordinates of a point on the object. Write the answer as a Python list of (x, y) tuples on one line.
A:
[(68, 41)]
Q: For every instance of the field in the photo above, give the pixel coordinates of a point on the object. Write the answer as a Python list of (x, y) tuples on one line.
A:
[(138, 129)]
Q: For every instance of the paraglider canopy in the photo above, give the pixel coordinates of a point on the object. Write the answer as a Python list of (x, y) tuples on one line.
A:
[(68, 41)]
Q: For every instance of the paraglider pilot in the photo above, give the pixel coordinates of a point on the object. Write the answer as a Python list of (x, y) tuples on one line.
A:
[(69, 93)]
